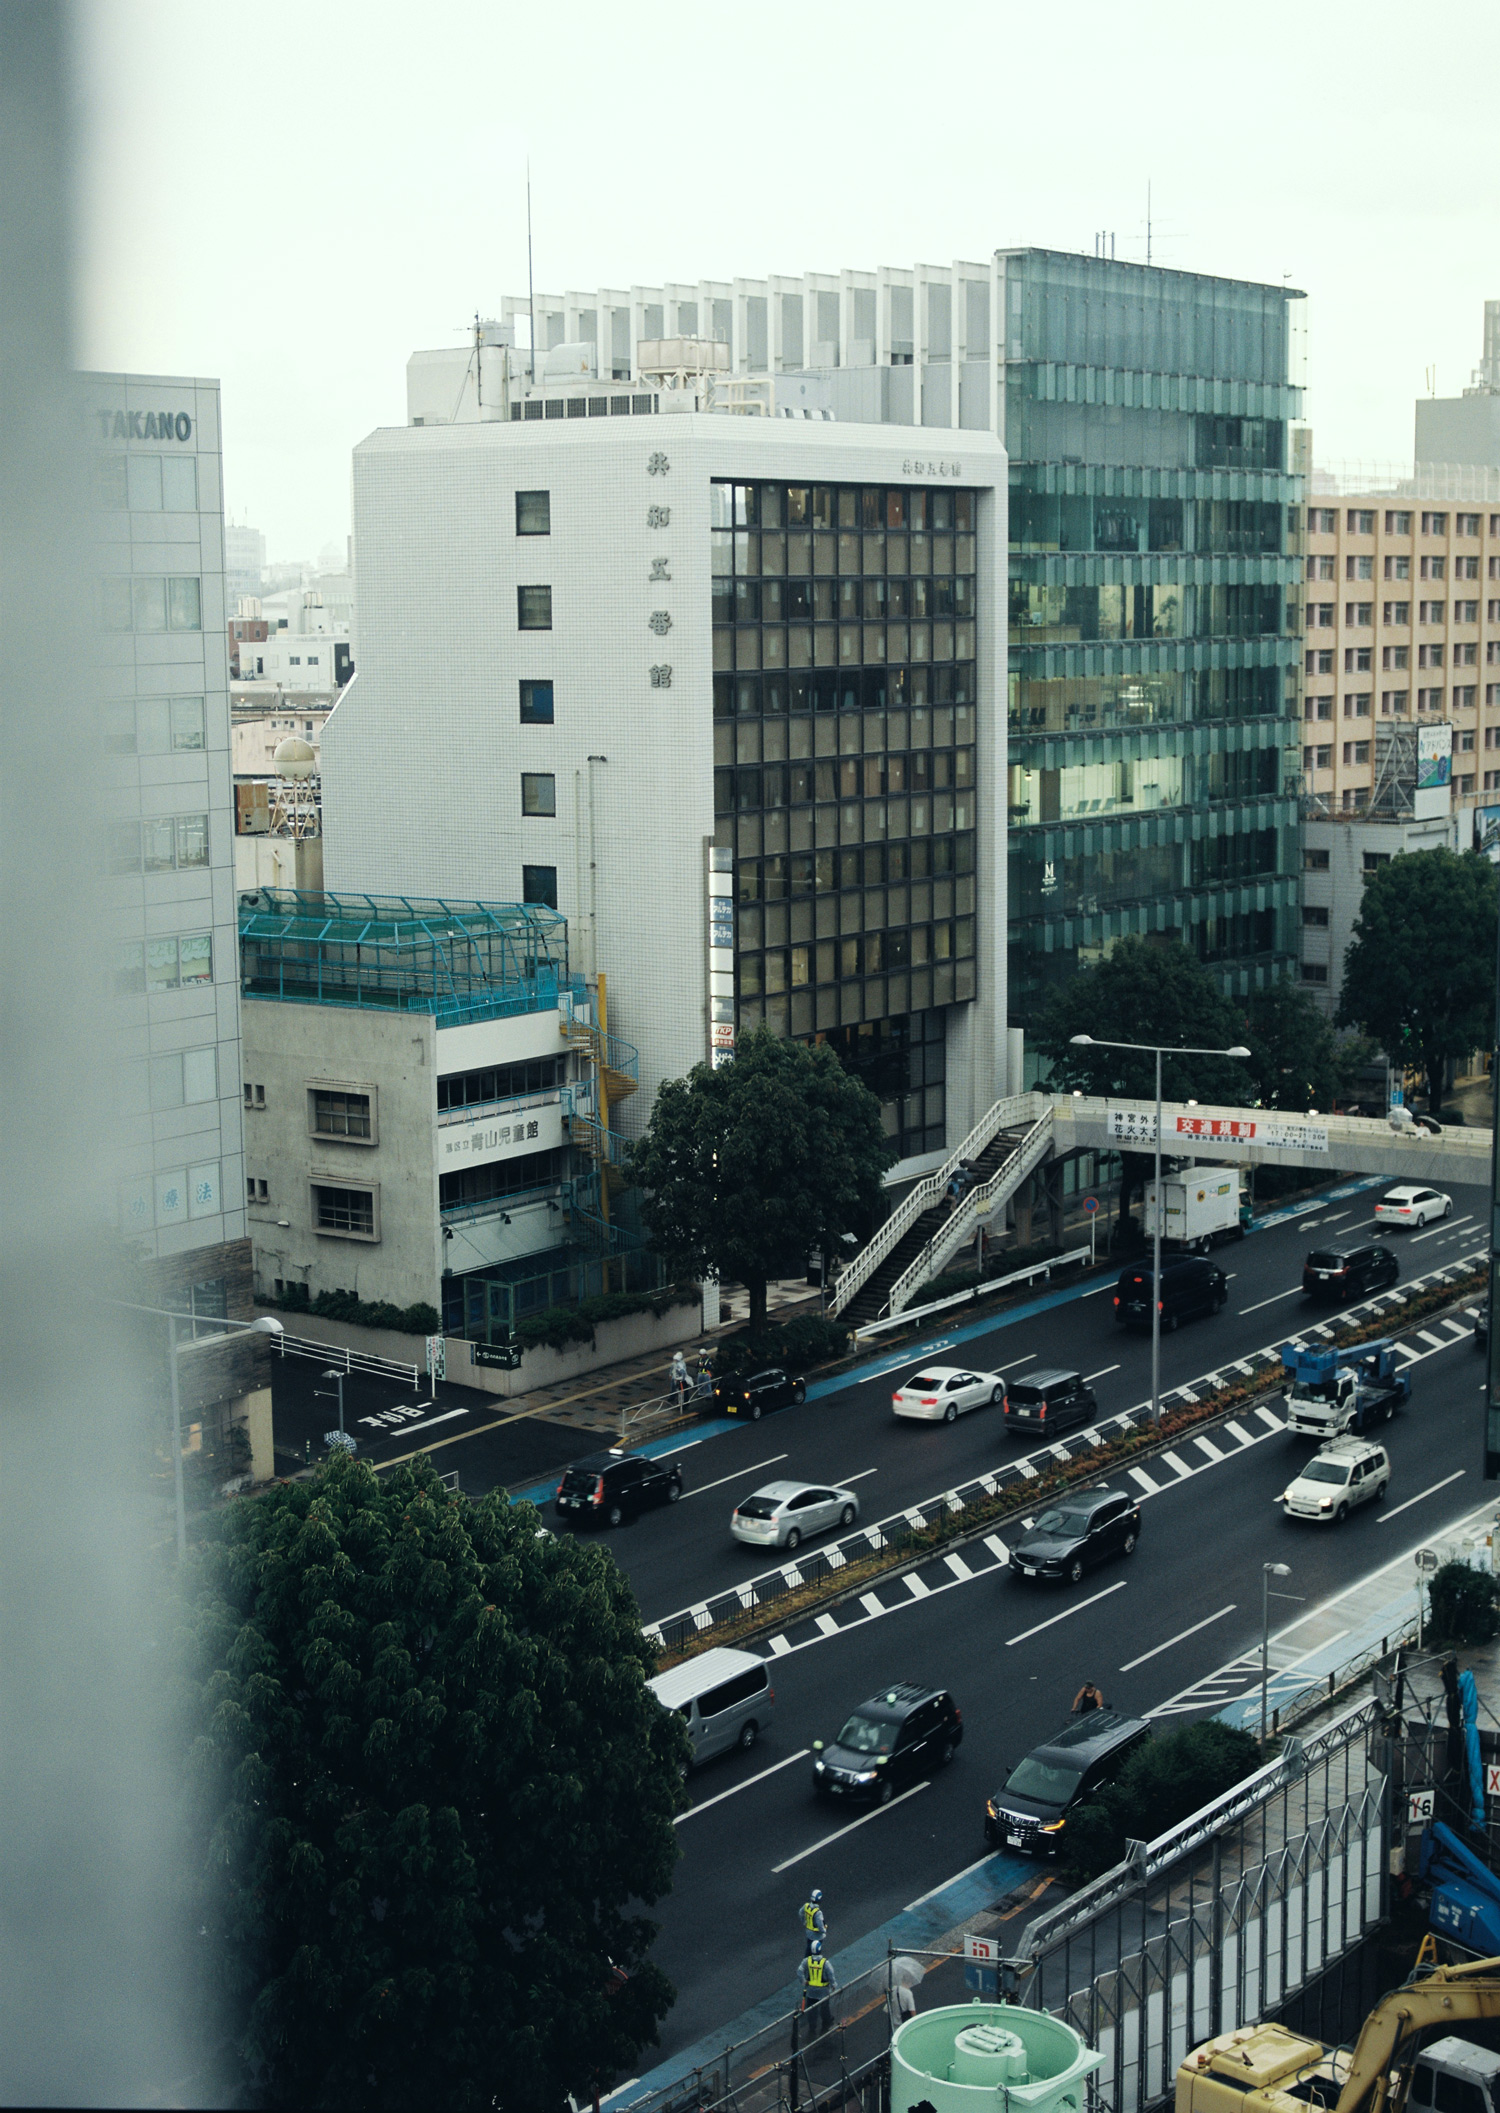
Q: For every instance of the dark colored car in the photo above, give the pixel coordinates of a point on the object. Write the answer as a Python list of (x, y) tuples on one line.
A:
[(887, 1743), (1030, 1810), (1351, 1266), (1189, 1286), (1079, 1530), (604, 1489), (1048, 1401), (753, 1393), (1480, 1316)]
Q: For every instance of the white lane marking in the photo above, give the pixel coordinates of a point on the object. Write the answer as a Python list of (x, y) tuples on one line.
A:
[(1334, 1217), (1176, 1461), (916, 1587), (1210, 1448), (1238, 1431), (953, 1881), (1272, 1423), (1181, 1637), (863, 1475), (1026, 1360), (958, 1566), (827, 1625), (863, 1820), (754, 1468), (1095, 1292), (1434, 1342), (997, 1547), (1418, 1238), (1276, 1301), (1417, 1499), (1052, 1621), (1151, 1488), (779, 1646), (871, 1604), (774, 1769), (1090, 1377)]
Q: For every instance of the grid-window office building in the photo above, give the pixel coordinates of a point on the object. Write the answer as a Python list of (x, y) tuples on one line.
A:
[(725, 690), (157, 528), (1153, 559)]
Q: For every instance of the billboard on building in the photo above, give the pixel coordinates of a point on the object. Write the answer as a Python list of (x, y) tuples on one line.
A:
[(1487, 832), (1434, 757)]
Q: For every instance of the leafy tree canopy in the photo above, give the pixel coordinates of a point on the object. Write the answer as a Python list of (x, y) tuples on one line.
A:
[(1166, 1780), (1296, 1059), (1419, 972), (749, 1167), (1145, 992), (428, 1786)]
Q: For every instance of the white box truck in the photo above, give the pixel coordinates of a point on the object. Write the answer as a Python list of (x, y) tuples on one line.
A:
[(1201, 1208)]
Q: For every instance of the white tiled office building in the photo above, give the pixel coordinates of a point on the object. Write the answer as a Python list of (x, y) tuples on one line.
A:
[(634, 664), (160, 637)]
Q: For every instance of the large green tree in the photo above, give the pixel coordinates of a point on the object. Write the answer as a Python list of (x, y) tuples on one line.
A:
[(1419, 972), (1296, 1059), (1145, 991), (430, 1789), (748, 1167)]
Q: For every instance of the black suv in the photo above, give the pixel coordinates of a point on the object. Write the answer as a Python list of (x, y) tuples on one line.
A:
[(1077, 1531), (603, 1489), (1189, 1285), (1354, 1265), (1046, 1401), (1029, 1811), (887, 1742), (755, 1392)]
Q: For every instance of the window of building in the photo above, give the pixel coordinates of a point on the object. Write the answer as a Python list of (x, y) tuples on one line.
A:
[(533, 513), (1314, 861), (536, 704), (1397, 523), (1325, 662), (1356, 799), (1434, 524), (1465, 742), (1398, 568), (1320, 614), (255, 1096), (154, 604), (1463, 696), (1324, 707), (165, 964), (1430, 700), (1492, 693), (538, 792), (1356, 704), (1374, 860), (1430, 612), (1315, 972), (1359, 521), (335, 1112), (1359, 568), (1429, 656), (501, 1082), (1492, 612), (539, 885), (1491, 780), (1495, 524), (204, 1302), (183, 1078), (1357, 660), (1315, 918), (166, 844), (1466, 612), (1466, 524), (1395, 657), (257, 1189), (1463, 786), (528, 1172), (1394, 701), (1323, 756), (349, 1213), (1356, 752), (1322, 521), (1322, 568), (534, 608), (1434, 568), (294, 660), (1360, 614), (1398, 613), (1466, 568)]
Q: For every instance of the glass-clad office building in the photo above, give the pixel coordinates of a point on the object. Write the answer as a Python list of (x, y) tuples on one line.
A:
[(1153, 618)]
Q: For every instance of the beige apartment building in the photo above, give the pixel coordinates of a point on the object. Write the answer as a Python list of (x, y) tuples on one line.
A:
[(1402, 619)]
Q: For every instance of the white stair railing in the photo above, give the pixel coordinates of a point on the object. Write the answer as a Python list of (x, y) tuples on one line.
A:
[(1006, 1114), (980, 1203)]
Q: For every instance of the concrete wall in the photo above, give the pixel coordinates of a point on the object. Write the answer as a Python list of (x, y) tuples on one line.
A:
[(1458, 429), (1339, 889)]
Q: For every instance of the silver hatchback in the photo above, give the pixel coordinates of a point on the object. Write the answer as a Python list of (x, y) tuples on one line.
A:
[(783, 1514)]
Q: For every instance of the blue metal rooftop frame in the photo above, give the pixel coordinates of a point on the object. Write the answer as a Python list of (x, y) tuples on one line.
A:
[(458, 961)]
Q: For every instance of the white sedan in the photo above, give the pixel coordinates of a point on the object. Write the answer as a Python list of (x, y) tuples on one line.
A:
[(1413, 1207), (938, 1393), (783, 1514)]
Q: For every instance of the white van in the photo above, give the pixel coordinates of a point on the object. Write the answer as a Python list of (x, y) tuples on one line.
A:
[(724, 1697)]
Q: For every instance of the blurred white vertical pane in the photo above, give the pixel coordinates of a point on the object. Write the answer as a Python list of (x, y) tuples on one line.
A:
[(199, 1075), (143, 482), (179, 484)]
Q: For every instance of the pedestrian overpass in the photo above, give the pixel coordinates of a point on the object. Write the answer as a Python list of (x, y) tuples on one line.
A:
[(1021, 1135)]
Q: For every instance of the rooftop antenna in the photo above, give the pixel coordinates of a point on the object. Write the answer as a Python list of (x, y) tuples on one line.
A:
[(530, 275)]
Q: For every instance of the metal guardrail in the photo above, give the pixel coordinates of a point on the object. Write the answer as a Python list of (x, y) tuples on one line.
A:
[(911, 1314), (976, 1204), (1015, 1108), (339, 1354)]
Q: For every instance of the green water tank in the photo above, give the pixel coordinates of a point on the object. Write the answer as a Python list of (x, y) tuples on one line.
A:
[(975, 2055)]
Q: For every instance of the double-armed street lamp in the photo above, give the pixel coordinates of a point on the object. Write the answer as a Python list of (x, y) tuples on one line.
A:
[(1157, 1050)]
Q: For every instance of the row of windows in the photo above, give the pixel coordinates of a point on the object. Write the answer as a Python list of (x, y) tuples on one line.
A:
[(1068, 521), (840, 645), (1359, 660), (849, 689), (801, 557), (503, 1177), (870, 998), (498, 1082), (167, 844), (173, 963), (825, 506), (1054, 613), (879, 600), (182, 1078), (1399, 568), (149, 604), (153, 726), (586, 406), (146, 484), (858, 866), (749, 788), (830, 915), (1360, 521), (849, 736), (1361, 615), (863, 954)]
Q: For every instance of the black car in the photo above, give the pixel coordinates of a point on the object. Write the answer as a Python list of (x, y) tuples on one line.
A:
[(1029, 1811), (1189, 1286), (1048, 1400), (603, 1489), (753, 1393), (1351, 1266), (1079, 1530), (887, 1743)]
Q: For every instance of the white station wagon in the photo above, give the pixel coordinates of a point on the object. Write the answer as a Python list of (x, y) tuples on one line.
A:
[(1340, 1475), (938, 1393), (1412, 1206)]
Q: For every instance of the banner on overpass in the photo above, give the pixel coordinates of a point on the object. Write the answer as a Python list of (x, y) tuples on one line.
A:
[(1129, 1126)]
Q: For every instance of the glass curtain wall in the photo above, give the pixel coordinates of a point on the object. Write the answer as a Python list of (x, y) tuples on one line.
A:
[(844, 783), (1153, 639)]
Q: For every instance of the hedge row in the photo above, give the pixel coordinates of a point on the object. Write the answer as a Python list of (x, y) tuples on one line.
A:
[(367, 1313), (561, 1325)]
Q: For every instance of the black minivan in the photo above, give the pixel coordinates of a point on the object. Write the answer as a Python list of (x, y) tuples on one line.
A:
[(1030, 1810), (605, 1489), (1189, 1285)]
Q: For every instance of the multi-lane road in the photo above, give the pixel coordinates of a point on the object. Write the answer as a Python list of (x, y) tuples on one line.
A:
[(1147, 1630)]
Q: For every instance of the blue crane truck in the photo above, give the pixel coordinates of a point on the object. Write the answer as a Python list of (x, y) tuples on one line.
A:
[(1331, 1391)]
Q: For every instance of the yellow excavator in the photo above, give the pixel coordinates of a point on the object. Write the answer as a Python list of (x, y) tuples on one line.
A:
[(1267, 2069)]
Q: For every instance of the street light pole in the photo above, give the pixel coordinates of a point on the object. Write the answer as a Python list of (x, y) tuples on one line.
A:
[(1158, 1050), (321, 1393), (1267, 1572)]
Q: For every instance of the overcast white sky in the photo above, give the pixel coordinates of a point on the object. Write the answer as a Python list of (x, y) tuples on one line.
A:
[(293, 197)]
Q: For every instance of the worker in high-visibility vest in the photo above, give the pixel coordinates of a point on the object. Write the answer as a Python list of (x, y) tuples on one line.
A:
[(814, 1928), (818, 1984)]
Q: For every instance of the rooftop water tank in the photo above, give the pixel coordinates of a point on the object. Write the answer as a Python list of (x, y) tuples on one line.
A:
[(294, 758), (972, 2055)]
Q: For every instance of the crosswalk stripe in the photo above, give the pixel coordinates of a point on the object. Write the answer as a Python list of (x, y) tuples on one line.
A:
[(1210, 1448), (915, 1586), (997, 1547), (871, 1604), (780, 1647), (828, 1625), (1435, 1340), (1151, 1488), (1175, 1460), (1238, 1432), (1272, 1423), (958, 1566)]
